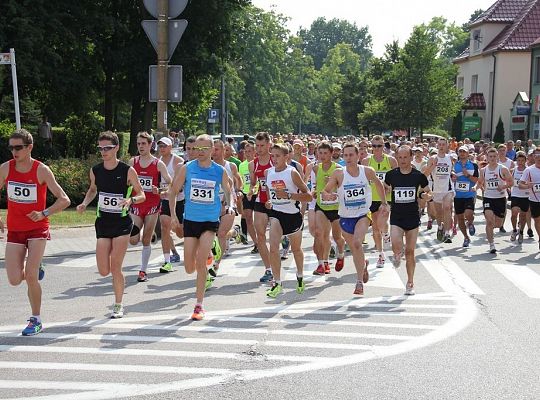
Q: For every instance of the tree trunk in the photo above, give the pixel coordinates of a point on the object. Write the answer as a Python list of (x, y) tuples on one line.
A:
[(108, 97), (135, 123), (148, 117)]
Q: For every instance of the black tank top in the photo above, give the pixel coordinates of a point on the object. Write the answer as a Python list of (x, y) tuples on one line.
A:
[(114, 182)]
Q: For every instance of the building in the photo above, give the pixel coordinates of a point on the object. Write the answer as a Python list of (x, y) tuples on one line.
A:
[(534, 127), (497, 64)]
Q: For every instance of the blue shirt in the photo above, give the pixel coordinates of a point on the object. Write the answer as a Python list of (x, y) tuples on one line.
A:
[(463, 184), (202, 192), (511, 154)]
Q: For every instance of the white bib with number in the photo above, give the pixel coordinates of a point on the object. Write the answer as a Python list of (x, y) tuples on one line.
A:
[(146, 182), (536, 188), (405, 195), (202, 191), (381, 175), (462, 186), (355, 196), (110, 202), (22, 192)]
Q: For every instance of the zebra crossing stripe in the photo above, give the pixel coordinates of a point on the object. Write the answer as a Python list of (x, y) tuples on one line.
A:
[(524, 278)]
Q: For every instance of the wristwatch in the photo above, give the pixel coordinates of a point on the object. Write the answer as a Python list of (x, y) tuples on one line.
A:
[(45, 212)]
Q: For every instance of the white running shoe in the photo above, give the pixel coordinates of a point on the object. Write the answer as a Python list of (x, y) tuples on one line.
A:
[(380, 261), (386, 240), (118, 311), (409, 290)]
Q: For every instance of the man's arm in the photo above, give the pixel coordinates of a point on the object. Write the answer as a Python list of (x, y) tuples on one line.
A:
[(46, 176)]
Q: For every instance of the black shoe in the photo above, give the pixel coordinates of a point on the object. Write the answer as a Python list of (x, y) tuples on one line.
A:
[(254, 250), (530, 233), (502, 230)]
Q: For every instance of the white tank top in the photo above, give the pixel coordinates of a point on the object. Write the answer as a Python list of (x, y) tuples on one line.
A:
[(532, 174), (282, 180), (508, 163), (516, 191), (354, 194), (170, 169), (441, 175), (492, 182), (228, 169)]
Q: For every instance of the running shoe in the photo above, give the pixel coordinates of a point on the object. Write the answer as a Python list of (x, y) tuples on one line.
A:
[(386, 240), (332, 252), (319, 270), (365, 276), (502, 230), (327, 268), (254, 250), (409, 290), (454, 230), (267, 277), (365, 242), (165, 268), (380, 261), (429, 225), (530, 233), (33, 327), (300, 285), (209, 282), (396, 261), (143, 277), (198, 313), (466, 242), (440, 234), (447, 238), (216, 249), (472, 229), (492, 248), (175, 258), (244, 240), (359, 289), (520, 237), (274, 290), (41, 273), (213, 270), (340, 263), (237, 234), (513, 236), (118, 311)]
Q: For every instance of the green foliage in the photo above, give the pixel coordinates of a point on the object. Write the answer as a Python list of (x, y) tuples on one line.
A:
[(499, 132), (82, 133), (457, 125), (6, 128), (73, 176), (123, 138)]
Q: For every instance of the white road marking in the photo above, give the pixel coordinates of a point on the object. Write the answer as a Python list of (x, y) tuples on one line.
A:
[(386, 277), (524, 278)]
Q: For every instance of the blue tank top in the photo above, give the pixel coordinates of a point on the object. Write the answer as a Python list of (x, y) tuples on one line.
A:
[(202, 192), (464, 185)]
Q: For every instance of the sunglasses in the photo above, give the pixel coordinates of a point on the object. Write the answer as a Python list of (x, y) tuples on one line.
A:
[(376, 146), (17, 147), (162, 145), (106, 148), (201, 148)]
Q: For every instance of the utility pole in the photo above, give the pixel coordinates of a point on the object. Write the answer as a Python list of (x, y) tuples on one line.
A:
[(163, 61), (223, 109)]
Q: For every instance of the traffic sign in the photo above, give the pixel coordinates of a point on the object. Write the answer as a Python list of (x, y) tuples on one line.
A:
[(174, 89), (175, 7), (176, 30), (213, 115), (5, 58)]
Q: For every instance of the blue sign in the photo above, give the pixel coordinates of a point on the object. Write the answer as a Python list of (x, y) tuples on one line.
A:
[(523, 110), (213, 115)]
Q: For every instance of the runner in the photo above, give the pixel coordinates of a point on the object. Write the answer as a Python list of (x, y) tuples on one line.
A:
[(354, 194), (381, 163), (440, 168), (287, 189), (247, 205), (508, 162), (149, 169), (170, 160), (495, 179), (336, 154), (531, 180), (201, 180), (465, 177), (519, 200), (407, 186), (114, 182), (27, 181)]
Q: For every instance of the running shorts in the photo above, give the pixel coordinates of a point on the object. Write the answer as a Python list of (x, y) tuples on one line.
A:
[(166, 210), (535, 209), (462, 204), (23, 237), (290, 223), (521, 202), (348, 224), (331, 215), (107, 228), (196, 229), (498, 206)]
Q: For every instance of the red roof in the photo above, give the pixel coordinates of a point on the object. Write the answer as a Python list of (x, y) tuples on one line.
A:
[(475, 101), (501, 11)]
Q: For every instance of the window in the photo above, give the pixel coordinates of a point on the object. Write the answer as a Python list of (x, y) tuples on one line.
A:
[(460, 83), (476, 39), (536, 70), (474, 84), (536, 128)]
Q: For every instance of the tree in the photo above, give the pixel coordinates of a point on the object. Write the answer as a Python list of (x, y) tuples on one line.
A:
[(457, 125), (324, 35), (499, 132)]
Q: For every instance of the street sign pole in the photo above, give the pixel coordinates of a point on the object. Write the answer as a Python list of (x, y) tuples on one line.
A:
[(15, 88), (223, 110), (163, 61)]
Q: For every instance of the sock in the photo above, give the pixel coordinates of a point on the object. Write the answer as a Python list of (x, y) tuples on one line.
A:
[(167, 257), (38, 318), (145, 257), (243, 224), (277, 282)]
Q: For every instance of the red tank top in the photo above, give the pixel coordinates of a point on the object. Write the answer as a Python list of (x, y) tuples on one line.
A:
[(148, 177), (25, 194), (259, 169)]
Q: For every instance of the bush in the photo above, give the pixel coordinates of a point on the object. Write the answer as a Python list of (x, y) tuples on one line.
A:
[(82, 133), (499, 132), (6, 128), (73, 176)]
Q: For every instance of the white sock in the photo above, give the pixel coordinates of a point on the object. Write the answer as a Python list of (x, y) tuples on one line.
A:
[(167, 257), (145, 257), (37, 317)]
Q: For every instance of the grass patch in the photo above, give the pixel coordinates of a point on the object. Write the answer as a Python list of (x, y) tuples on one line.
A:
[(68, 218)]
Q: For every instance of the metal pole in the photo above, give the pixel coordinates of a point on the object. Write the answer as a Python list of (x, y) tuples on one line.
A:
[(163, 61), (15, 88), (223, 111)]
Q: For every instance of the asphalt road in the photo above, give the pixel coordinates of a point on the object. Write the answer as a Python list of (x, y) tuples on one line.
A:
[(471, 332)]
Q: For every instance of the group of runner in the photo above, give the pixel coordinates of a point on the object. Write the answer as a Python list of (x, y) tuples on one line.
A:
[(345, 187)]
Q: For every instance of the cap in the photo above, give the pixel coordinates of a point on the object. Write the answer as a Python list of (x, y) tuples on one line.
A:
[(336, 145), (298, 141), (433, 151), (464, 148), (165, 140), (417, 149)]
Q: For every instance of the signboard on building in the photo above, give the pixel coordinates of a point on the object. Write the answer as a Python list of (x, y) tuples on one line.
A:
[(519, 123), (471, 128)]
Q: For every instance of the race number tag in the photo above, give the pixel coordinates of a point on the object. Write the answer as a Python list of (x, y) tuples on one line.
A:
[(22, 192), (328, 202), (405, 195), (247, 179), (381, 175), (442, 170), (536, 188), (110, 202), (355, 195), (263, 184), (492, 184), (146, 182), (278, 185), (202, 191), (462, 186)]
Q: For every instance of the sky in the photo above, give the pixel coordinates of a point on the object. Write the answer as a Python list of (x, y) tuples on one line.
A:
[(387, 20)]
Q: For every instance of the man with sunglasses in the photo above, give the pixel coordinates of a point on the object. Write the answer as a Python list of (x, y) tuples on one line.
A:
[(201, 180), (149, 170), (114, 182), (27, 181)]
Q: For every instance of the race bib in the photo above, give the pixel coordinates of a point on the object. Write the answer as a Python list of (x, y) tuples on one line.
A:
[(355, 196), (381, 175), (328, 202), (442, 170), (247, 179), (278, 185), (492, 184), (536, 188), (25, 193), (110, 202), (202, 191), (404, 195), (146, 182), (462, 186)]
